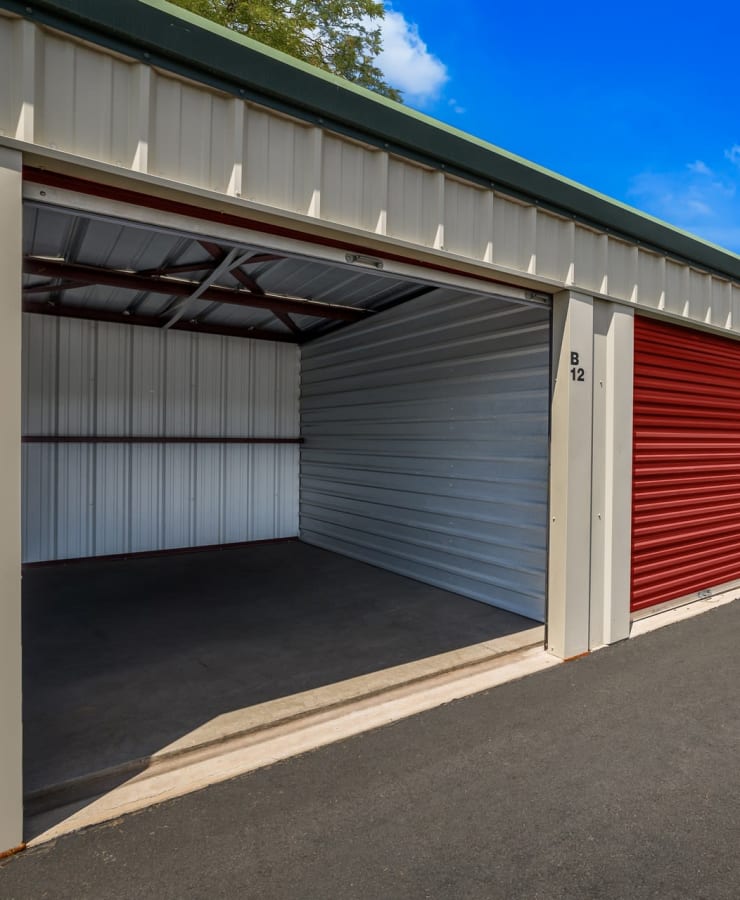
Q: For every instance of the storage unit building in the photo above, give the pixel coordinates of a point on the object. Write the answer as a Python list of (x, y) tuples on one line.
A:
[(243, 301)]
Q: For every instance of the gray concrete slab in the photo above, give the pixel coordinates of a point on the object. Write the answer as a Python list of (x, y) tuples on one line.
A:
[(614, 776), (124, 658)]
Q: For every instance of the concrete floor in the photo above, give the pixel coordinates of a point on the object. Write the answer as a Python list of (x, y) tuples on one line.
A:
[(123, 658)]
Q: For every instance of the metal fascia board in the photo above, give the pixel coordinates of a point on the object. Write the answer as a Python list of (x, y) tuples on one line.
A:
[(172, 39)]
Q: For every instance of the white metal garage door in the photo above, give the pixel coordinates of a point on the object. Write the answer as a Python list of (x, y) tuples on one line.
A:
[(426, 445)]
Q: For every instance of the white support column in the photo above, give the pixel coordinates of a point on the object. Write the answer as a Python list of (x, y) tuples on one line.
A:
[(611, 521), (570, 475), (11, 772)]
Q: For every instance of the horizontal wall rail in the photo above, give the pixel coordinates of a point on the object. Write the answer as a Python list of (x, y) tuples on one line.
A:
[(145, 439)]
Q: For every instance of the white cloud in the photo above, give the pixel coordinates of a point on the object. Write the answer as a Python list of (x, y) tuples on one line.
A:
[(698, 206), (733, 154), (699, 168), (456, 106), (406, 62), (688, 198)]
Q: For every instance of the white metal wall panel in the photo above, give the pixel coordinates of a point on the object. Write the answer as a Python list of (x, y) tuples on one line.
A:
[(354, 184), (80, 96), (426, 445), (190, 131), (415, 199), (514, 233), (468, 220), (280, 162), (56, 92), (94, 378)]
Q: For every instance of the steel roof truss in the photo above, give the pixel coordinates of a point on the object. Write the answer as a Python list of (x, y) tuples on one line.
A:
[(180, 288), (232, 258), (250, 282)]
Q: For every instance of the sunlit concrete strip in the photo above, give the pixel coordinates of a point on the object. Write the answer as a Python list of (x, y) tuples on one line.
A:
[(276, 712), (237, 755), (680, 613)]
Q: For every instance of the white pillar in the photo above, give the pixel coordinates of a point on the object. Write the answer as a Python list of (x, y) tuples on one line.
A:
[(11, 772), (611, 520), (570, 475)]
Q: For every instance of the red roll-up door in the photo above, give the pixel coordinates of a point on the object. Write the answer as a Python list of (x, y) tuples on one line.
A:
[(686, 481)]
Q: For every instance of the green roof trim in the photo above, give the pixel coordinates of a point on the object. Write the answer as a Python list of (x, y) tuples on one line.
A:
[(176, 40)]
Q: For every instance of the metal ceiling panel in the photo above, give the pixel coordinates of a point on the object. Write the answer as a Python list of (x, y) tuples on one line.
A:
[(67, 238)]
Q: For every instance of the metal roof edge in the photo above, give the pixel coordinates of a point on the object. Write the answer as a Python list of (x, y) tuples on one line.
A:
[(164, 35)]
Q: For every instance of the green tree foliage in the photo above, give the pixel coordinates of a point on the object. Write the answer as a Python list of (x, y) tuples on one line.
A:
[(341, 36)]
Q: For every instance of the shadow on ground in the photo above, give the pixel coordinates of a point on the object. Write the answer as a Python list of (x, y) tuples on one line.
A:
[(122, 658)]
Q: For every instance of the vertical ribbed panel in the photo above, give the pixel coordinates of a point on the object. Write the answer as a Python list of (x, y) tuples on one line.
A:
[(426, 446), (84, 378), (686, 487), (191, 134)]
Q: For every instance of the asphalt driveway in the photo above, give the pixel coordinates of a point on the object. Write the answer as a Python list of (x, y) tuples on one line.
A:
[(617, 776)]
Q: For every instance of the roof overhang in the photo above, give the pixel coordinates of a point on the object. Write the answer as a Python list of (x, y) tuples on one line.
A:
[(165, 36)]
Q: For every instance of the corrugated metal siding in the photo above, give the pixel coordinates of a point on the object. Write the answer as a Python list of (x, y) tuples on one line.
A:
[(85, 378), (426, 446), (686, 490), (62, 94)]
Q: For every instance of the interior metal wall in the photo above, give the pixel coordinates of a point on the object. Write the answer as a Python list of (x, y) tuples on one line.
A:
[(95, 378), (426, 445)]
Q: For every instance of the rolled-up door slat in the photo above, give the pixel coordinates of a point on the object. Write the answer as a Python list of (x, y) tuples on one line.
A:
[(686, 462)]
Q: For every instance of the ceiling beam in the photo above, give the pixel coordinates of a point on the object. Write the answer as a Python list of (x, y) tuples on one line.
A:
[(178, 288), (216, 251), (251, 283), (289, 323), (179, 268), (49, 287), (104, 315), (180, 307)]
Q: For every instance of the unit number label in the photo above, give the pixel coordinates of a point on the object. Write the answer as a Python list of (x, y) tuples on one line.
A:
[(577, 373)]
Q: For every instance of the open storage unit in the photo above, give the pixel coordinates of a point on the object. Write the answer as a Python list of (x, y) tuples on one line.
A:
[(423, 432), (244, 301), (183, 393)]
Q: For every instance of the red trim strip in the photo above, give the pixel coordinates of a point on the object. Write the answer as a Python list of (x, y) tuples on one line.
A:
[(145, 554), (149, 201)]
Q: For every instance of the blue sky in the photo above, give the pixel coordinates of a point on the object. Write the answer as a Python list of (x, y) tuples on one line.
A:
[(639, 101)]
